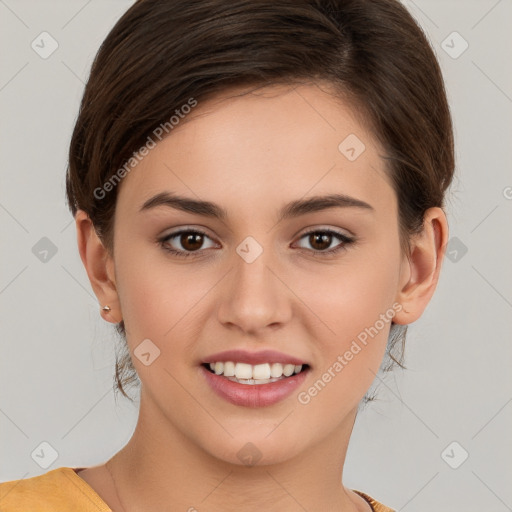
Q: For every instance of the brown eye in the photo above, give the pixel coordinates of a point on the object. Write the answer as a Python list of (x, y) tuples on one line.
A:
[(185, 242), (191, 241), (320, 241)]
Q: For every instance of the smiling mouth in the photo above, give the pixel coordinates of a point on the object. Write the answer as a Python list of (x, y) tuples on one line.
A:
[(255, 374)]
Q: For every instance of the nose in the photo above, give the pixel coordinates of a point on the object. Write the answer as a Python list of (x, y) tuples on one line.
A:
[(255, 295)]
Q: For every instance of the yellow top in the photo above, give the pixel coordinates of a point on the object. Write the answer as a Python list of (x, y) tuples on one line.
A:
[(63, 489)]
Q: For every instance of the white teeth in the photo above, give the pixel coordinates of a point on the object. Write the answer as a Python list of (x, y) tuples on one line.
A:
[(243, 371), (229, 369), (276, 370), (288, 369), (262, 373), (252, 382)]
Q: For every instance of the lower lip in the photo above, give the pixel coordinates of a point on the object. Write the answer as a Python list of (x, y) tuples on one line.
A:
[(257, 395)]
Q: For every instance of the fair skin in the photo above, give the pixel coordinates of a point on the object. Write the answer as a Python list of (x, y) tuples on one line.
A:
[(251, 155)]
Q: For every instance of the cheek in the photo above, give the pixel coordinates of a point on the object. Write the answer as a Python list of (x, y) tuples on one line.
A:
[(159, 300), (354, 305), (351, 297)]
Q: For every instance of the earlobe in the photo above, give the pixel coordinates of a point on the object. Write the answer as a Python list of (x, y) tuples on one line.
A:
[(420, 272), (99, 266)]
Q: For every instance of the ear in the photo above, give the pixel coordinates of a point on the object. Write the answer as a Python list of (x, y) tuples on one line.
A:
[(420, 272), (99, 265)]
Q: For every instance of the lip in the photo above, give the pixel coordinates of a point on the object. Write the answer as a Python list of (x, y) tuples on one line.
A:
[(243, 356), (257, 395)]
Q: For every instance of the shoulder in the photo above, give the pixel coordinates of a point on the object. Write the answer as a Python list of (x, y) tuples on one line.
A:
[(60, 487), (376, 506)]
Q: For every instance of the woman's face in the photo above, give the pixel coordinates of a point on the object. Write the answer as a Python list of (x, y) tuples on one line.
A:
[(256, 280)]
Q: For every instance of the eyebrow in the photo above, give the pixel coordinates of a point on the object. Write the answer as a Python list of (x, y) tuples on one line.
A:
[(290, 210)]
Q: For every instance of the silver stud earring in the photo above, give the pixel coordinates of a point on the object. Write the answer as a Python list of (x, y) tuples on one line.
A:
[(106, 309)]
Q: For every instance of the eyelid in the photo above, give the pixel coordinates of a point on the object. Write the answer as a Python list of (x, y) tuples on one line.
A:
[(186, 227), (330, 229)]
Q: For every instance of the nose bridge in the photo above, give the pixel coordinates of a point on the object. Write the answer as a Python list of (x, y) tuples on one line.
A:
[(254, 298)]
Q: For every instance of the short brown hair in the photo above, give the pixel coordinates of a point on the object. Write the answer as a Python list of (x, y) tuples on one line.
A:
[(163, 52)]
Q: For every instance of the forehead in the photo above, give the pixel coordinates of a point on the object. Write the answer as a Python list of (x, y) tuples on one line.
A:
[(264, 146)]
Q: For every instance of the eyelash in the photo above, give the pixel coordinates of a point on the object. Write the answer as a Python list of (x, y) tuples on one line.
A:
[(329, 252)]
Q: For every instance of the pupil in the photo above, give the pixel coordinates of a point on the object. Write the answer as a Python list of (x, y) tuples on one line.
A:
[(323, 239), (188, 241)]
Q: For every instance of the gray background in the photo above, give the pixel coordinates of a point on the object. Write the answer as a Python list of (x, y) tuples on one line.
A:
[(57, 355)]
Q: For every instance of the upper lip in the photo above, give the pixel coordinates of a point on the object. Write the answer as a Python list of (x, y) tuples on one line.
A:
[(243, 356)]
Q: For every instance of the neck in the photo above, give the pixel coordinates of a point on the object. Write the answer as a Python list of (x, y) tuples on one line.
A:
[(161, 467)]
